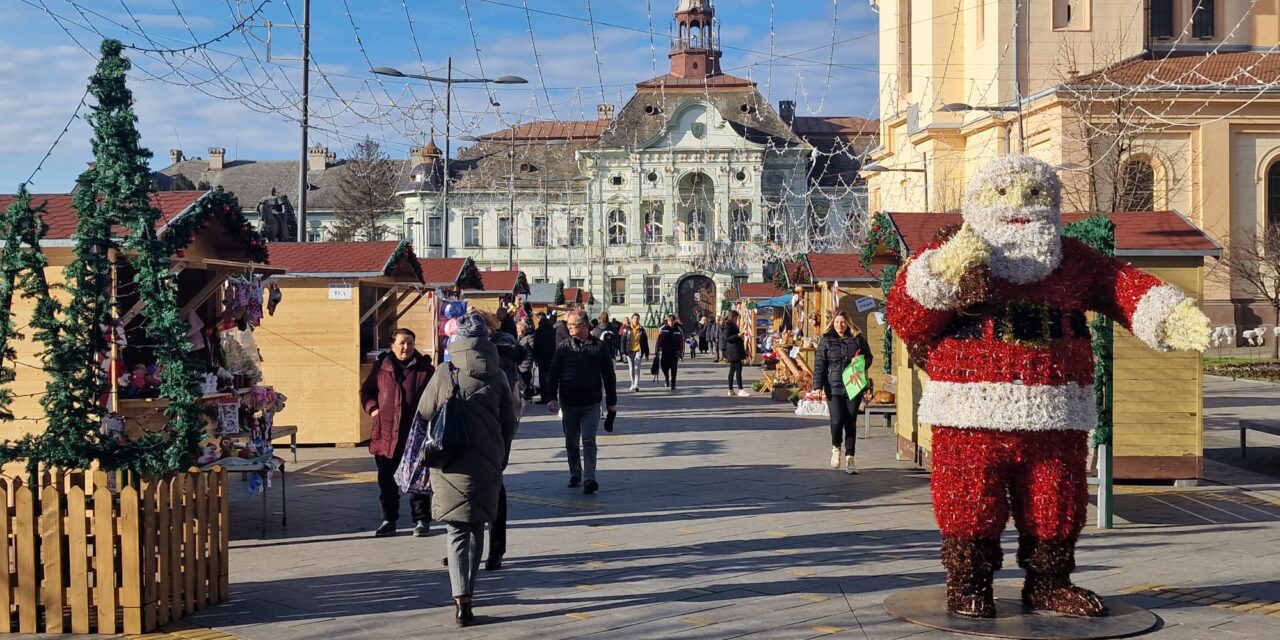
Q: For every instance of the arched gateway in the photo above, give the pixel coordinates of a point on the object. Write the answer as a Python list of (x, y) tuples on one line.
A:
[(696, 297)]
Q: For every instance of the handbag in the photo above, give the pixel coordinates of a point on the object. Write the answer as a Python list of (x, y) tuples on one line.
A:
[(855, 376), (447, 434), (411, 475)]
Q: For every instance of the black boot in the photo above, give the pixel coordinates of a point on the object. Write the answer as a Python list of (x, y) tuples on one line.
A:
[(462, 615), (971, 566), (1048, 587)]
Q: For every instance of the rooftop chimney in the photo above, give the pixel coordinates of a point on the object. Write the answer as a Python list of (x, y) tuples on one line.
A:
[(216, 156), (175, 156), (787, 109), (604, 112), (318, 158)]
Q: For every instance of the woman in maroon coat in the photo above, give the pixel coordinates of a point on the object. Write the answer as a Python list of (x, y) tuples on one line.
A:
[(390, 396)]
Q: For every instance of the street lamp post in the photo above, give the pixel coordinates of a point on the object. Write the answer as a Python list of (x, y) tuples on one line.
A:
[(924, 171), (448, 81)]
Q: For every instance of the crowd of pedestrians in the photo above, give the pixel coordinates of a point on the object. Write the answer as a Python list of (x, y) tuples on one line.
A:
[(490, 375)]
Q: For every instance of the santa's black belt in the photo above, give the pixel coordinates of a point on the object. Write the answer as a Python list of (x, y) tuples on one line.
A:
[(1019, 323)]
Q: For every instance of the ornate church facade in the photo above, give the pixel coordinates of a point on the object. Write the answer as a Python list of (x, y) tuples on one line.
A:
[(696, 184)]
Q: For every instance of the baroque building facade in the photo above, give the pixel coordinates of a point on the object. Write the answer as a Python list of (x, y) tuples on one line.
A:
[(695, 185)]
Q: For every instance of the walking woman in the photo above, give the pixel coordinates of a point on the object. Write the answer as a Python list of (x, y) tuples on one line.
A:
[(390, 395), (735, 351), (839, 345), (635, 346), (466, 489)]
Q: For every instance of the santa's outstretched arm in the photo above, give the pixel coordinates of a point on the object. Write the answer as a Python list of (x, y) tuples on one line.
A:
[(1157, 313)]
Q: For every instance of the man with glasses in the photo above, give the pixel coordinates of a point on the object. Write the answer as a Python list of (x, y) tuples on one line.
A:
[(582, 376)]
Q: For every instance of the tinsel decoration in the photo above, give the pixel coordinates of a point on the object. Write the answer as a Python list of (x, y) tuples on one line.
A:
[(1099, 232), (884, 235), (221, 207)]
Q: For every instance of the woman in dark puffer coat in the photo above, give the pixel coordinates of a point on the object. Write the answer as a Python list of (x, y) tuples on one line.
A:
[(465, 491), (837, 349)]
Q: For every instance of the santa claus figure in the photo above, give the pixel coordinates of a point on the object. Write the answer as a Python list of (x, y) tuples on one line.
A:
[(996, 312)]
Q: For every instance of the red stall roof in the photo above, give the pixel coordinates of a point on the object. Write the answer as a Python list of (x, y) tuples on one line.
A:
[(340, 259)]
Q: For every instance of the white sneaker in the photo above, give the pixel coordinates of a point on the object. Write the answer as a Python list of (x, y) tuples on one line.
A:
[(743, 393), (848, 466), (835, 457)]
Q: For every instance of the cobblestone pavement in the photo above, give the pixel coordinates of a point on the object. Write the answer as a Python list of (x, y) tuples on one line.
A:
[(717, 518)]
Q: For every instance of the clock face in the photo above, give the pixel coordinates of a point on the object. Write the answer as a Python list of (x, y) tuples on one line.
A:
[(773, 178)]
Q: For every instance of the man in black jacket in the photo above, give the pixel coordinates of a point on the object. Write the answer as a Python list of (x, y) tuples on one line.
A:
[(581, 372), (544, 349)]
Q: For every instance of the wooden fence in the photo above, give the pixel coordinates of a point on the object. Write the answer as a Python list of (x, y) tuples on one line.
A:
[(89, 552)]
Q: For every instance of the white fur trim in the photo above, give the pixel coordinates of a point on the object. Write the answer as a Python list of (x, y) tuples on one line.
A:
[(1149, 315), (1008, 406), (926, 288)]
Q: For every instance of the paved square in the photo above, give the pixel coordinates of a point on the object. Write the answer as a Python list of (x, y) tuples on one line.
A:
[(718, 518)]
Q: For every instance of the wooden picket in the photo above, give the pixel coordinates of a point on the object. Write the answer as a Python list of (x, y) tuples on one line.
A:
[(88, 551)]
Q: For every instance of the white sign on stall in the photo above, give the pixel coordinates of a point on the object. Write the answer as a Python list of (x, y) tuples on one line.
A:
[(866, 304), (339, 291)]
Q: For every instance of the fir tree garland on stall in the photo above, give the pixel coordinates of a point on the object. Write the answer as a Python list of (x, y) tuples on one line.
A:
[(1099, 232), (882, 234)]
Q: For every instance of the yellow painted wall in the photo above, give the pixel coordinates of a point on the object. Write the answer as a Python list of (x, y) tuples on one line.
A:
[(310, 352)]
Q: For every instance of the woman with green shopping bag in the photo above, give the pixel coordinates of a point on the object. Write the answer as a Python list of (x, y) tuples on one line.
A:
[(840, 367)]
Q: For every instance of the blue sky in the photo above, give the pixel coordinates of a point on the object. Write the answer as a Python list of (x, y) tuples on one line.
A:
[(232, 96)]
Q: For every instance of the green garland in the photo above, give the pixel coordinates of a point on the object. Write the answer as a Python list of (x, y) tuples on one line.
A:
[(559, 299), (470, 277), (883, 234), (404, 251), (1099, 232), (218, 205)]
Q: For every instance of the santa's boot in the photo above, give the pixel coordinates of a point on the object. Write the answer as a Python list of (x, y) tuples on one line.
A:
[(971, 566), (1048, 587)]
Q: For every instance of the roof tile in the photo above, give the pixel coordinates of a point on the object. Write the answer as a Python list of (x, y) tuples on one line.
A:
[(1234, 69), (60, 214), (333, 257)]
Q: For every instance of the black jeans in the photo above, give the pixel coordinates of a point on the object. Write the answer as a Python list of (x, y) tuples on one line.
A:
[(735, 369), (527, 378), (498, 530), (389, 493), (669, 370), (544, 374), (844, 421)]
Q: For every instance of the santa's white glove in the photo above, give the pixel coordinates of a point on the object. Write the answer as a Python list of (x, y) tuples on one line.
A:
[(963, 253), (934, 278), (1186, 328)]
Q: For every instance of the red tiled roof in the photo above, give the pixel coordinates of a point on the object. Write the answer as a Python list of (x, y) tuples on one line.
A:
[(758, 290), (60, 215), (1235, 69), (354, 258), (501, 281), (835, 126), (441, 272), (580, 296), (552, 130), (827, 267), (1137, 233)]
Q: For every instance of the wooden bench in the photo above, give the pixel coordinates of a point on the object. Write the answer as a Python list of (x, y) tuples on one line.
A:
[(1266, 426), (889, 411)]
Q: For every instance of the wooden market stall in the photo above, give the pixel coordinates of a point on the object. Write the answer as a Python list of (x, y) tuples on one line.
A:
[(342, 301), (203, 255), (498, 287), (1155, 438), (444, 279), (842, 284)]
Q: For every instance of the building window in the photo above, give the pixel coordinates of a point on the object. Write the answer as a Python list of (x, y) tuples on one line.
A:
[(741, 221), (1162, 19), (505, 237), (540, 231), (773, 223), (576, 283), (697, 231), (1202, 19), (616, 181), (1273, 196), (618, 291), (653, 222), (315, 232), (435, 232), (1137, 187), (904, 48), (652, 289), (1071, 14), (471, 232), (575, 231), (738, 281), (617, 227)]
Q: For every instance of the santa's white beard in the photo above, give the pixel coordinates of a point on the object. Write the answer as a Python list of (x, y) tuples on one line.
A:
[(1023, 253)]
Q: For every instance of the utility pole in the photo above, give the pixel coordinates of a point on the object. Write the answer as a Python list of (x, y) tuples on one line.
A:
[(511, 206), (306, 96), (448, 130)]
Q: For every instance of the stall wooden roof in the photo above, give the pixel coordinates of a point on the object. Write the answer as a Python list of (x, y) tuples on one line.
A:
[(449, 273), (505, 282), (346, 259), (837, 267), (60, 213), (1140, 233), (575, 295), (758, 290)]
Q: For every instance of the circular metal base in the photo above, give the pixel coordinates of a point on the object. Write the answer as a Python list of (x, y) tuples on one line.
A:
[(927, 606)]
